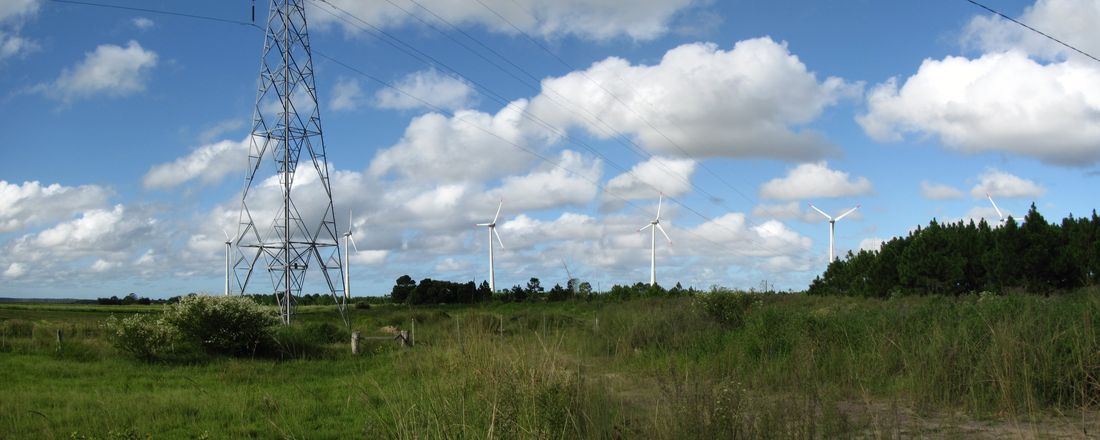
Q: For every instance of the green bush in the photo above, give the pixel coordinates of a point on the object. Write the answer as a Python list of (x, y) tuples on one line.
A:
[(142, 336), (227, 325), (725, 306)]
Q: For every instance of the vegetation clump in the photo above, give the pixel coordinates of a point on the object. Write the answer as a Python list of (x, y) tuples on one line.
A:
[(215, 325), (142, 336)]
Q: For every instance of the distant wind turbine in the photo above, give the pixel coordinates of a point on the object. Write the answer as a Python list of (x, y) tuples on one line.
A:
[(995, 208), (572, 282), (493, 231), (653, 226), (832, 228), (228, 243), (348, 239)]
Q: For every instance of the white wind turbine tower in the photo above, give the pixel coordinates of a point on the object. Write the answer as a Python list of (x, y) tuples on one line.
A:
[(228, 244), (832, 227), (493, 231), (653, 226), (347, 256), (995, 208)]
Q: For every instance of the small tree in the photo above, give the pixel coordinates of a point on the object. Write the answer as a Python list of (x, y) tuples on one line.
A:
[(402, 289), (231, 325)]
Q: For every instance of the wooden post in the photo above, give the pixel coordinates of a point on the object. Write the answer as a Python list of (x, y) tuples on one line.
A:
[(58, 339), (355, 342), (403, 335)]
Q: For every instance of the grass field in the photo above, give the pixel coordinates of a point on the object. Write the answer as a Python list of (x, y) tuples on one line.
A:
[(774, 366)]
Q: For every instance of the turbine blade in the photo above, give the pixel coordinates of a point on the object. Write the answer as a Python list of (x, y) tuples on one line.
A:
[(353, 245), (995, 208), (646, 226), (497, 234), (227, 239), (822, 212), (349, 221), (481, 224), (846, 213), (495, 217), (660, 198), (659, 228)]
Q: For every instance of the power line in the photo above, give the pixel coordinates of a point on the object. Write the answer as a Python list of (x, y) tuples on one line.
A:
[(501, 99), (156, 11), (536, 154), (618, 99), (562, 133), (1033, 30), (602, 125)]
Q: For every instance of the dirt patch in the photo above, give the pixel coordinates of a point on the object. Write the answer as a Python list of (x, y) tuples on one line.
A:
[(884, 419)]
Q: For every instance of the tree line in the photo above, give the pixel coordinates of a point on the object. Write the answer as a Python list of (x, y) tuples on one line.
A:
[(964, 257), (428, 291)]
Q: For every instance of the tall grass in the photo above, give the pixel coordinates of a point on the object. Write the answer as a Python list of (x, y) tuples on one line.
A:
[(723, 365)]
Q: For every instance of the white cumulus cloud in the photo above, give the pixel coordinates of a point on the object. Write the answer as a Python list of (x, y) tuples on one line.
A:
[(701, 101), (15, 270), (143, 23), (32, 203), (572, 181), (1001, 184), (208, 164), (13, 14), (1024, 94), (646, 179), (470, 146), (814, 180), (426, 89), (587, 19), (347, 95), (109, 70), (1072, 21)]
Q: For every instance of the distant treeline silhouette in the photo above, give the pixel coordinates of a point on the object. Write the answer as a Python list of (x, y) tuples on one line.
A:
[(429, 291), (964, 257), (127, 300)]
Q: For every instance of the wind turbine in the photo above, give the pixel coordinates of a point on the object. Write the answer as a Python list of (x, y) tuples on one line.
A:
[(228, 243), (347, 258), (572, 282), (995, 208), (653, 226), (832, 227), (493, 231)]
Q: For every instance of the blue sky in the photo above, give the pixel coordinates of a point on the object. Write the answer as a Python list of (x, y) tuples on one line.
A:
[(125, 134)]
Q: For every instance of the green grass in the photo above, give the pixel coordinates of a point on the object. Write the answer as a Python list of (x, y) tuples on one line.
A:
[(785, 366)]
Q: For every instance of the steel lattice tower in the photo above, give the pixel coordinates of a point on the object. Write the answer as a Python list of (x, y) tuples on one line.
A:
[(286, 124)]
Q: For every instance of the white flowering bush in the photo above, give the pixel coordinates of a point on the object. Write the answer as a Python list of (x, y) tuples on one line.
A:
[(229, 325), (143, 336)]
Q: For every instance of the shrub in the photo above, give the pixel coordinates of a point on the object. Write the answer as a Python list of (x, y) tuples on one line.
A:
[(726, 307), (142, 336), (229, 325)]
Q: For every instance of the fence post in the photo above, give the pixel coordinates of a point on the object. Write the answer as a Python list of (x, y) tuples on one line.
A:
[(355, 342), (59, 340)]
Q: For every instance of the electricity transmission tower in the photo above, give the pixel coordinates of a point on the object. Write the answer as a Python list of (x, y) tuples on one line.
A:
[(283, 229)]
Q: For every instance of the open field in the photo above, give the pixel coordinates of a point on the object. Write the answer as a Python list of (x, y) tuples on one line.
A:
[(770, 366)]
